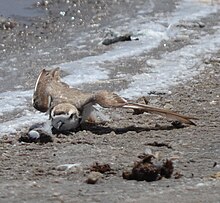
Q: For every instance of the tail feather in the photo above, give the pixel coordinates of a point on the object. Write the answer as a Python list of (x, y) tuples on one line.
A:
[(162, 112)]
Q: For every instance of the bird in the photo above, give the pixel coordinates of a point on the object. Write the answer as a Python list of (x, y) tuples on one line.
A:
[(69, 107)]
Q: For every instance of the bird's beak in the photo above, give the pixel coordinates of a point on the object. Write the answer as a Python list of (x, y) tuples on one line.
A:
[(59, 124)]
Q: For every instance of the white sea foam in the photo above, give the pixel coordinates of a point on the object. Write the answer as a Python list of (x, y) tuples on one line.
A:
[(26, 120), (14, 100), (175, 67)]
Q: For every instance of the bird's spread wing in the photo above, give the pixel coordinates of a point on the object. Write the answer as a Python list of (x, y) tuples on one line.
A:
[(109, 99)]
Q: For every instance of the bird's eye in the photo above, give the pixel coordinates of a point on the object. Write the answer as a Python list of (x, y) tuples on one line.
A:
[(71, 116)]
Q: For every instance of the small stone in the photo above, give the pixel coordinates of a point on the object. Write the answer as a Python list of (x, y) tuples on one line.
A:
[(62, 13), (168, 106), (201, 24), (157, 155), (56, 194), (74, 168), (33, 134), (148, 151), (213, 102), (93, 177), (200, 184), (34, 184)]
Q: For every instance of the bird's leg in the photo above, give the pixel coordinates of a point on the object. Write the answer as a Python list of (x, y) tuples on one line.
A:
[(141, 100)]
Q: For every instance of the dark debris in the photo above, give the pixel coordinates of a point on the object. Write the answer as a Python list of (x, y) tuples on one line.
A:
[(177, 124), (42, 138), (7, 23), (126, 37), (159, 144), (177, 175), (148, 171), (101, 168)]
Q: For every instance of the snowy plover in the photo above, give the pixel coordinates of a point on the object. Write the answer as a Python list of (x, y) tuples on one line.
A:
[(69, 107)]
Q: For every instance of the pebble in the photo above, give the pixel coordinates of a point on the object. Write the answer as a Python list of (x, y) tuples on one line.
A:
[(200, 185), (168, 106), (33, 134), (148, 151), (213, 102), (157, 155), (33, 184), (62, 13), (93, 177), (74, 168)]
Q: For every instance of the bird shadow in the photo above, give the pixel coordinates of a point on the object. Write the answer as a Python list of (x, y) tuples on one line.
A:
[(100, 130)]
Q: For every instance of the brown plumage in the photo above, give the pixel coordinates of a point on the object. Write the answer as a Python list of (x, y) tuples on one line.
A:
[(50, 92)]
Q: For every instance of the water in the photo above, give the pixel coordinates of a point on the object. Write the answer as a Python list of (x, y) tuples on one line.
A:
[(169, 70), (18, 8), (173, 68)]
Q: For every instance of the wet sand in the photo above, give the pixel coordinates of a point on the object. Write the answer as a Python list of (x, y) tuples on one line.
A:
[(31, 172)]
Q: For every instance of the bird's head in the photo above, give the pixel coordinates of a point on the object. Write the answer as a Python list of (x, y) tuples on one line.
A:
[(65, 117)]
